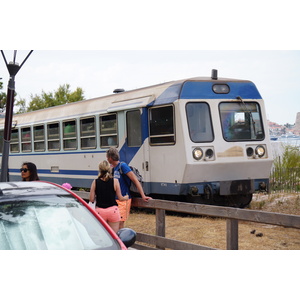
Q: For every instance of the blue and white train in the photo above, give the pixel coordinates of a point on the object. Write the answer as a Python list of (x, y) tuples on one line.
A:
[(202, 140)]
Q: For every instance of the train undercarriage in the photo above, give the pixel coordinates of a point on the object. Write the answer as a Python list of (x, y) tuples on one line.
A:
[(237, 201)]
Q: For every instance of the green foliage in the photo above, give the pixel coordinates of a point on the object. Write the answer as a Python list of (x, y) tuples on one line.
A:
[(21, 104), (288, 125), (61, 96), (289, 159), (2, 97), (285, 175)]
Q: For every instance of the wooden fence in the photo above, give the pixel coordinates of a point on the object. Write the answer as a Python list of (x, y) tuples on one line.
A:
[(232, 216), (285, 180)]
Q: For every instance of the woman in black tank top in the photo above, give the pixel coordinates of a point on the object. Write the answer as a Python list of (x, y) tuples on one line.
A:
[(104, 190)]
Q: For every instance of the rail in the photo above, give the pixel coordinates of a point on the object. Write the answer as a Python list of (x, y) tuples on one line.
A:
[(232, 216)]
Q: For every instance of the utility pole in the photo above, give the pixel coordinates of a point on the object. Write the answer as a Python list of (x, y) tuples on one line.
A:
[(13, 68)]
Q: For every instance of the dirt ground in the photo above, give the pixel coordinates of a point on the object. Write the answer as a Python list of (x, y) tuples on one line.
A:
[(212, 231)]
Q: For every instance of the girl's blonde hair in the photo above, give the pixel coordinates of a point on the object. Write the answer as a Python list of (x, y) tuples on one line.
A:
[(104, 170)]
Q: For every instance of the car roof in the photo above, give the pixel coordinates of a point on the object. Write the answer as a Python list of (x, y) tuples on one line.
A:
[(29, 188)]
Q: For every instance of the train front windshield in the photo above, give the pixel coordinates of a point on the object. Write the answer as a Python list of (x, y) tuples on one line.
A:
[(199, 121), (241, 121)]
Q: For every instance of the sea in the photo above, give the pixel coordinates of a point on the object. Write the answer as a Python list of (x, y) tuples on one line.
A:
[(282, 141)]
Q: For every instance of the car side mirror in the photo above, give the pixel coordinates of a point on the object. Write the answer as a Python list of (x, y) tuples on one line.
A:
[(127, 236)]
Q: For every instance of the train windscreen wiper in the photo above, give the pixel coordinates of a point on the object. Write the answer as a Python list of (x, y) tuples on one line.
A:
[(249, 112)]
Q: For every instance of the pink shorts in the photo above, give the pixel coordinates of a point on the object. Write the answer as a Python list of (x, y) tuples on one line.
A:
[(110, 214)]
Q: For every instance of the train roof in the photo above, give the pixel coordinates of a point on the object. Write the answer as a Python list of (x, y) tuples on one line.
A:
[(152, 95)]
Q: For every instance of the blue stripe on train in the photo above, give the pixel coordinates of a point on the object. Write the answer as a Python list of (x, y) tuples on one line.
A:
[(56, 153), (204, 90), (63, 172)]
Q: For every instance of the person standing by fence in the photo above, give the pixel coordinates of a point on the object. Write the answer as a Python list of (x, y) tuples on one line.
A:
[(104, 189), (125, 176)]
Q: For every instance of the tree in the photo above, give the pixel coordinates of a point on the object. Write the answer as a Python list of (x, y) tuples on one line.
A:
[(61, 96), (2, 98), (21, 104), (288, 125)]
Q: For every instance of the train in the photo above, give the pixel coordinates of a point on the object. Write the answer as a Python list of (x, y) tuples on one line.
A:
[(199, 140)]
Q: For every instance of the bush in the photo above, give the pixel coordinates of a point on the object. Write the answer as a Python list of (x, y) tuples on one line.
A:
[(285, 175)]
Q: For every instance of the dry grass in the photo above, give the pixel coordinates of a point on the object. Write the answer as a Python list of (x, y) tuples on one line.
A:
[(212, 231), (283, 203)]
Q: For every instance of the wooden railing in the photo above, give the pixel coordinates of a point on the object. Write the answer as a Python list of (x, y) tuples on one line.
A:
[(232, 216)]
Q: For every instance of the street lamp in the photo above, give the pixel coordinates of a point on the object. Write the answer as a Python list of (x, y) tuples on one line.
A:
[(13, 68)]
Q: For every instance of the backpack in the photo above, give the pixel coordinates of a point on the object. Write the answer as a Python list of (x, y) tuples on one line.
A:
[(133, 189)]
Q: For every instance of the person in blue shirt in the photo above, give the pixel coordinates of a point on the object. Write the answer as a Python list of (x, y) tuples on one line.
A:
[(125, 176)]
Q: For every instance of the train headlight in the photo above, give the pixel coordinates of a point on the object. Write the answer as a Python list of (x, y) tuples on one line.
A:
[(260, 151), (197, 153), (221, 88)]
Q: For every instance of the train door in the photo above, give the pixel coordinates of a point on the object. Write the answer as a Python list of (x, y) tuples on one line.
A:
[(137, 153), (164, 159), (146, 153)]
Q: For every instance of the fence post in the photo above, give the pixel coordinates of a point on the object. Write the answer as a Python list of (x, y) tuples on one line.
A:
[(160, 224), (232, 234)]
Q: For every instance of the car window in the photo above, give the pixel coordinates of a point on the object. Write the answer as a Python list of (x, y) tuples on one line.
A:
[(53, 222)]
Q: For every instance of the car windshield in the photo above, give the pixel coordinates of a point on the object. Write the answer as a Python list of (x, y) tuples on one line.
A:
[(241, 121), (54, 222)]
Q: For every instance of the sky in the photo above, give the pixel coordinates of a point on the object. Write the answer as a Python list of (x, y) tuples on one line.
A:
[(126, 44), (276, 73)]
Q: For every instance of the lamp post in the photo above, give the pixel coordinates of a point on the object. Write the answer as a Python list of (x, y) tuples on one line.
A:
[(13, 68)]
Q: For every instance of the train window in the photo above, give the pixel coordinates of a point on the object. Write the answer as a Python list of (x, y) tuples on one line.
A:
[(26, 139), (199, 122), (53, 137), (108, 131), (39, 138), (14, 141), (162, 130), (69, 135), (241, 121), (88, 133), (134, 128)]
